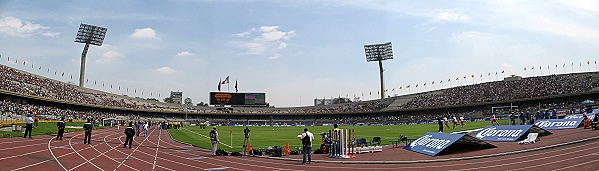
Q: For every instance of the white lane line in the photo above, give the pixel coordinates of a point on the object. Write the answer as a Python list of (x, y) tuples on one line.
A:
[(133, 157), (157, 146), (86, 160), (38, 163), (22, 146), (51, 152), (111, 148), (134, 150)]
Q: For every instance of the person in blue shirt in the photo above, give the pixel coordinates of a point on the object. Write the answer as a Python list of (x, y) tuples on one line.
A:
[(137, 128)]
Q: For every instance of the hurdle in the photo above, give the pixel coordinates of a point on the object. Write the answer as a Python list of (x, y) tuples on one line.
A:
[(342, 144)]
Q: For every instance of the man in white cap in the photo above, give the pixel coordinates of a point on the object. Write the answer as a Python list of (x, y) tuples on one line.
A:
[(214, 140)]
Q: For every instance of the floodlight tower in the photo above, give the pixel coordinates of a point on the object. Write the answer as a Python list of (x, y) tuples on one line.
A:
[(88, 34), (379, 52)]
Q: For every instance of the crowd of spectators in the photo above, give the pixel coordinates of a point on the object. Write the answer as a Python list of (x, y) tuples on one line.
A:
[(33, 85), (504, 90)]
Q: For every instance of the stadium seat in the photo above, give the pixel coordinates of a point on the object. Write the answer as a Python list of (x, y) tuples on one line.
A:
[(376, 140), (530, 139)]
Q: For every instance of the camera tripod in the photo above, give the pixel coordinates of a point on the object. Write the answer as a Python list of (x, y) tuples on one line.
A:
[(246, 142)]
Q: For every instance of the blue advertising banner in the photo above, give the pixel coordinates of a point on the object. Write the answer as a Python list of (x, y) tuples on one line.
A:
[(579, 116), (502, 133), (553, 124), (432, 143)]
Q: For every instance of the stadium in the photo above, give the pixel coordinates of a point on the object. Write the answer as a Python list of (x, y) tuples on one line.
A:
[(514, 122)]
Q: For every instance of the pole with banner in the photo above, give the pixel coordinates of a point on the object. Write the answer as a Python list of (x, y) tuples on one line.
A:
[(231, 135)]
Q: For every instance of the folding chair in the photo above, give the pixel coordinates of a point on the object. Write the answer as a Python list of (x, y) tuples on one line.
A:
[(376, 140)]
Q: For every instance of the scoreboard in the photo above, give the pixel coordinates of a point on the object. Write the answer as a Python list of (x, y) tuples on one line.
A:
[(227, 98)]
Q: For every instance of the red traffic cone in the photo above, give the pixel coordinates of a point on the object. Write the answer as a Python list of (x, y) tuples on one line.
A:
[(249, 148), (287, 151)]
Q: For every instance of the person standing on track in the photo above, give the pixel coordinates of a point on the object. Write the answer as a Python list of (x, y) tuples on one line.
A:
[(129, 132), (137, 128), (146, 129), (88, 132), (214, 140), (307, 138), (60, 125), (28, 126), (462, 120)]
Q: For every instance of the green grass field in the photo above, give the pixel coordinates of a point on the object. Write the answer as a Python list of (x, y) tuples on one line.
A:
[(45, 129), (262, 137)]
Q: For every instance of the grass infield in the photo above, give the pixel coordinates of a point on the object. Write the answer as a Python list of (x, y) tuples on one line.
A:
[(262, 137)]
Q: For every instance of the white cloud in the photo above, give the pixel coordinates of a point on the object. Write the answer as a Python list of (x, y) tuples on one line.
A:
[(269, 42), (275, 56), (185, 53), (15, 27), (108, 57), (452, 17), (144, 33), (166, 70)]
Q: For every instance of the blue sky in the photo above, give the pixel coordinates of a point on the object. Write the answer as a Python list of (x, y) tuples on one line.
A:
[(296, 51)]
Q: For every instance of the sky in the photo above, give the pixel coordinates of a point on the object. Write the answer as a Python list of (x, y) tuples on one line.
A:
[(296, 51)]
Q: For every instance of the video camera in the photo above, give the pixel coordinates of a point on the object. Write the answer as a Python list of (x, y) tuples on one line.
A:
[(246, 132)]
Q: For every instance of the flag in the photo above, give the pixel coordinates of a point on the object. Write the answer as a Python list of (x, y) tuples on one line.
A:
[(219, 83), (54, 72), (588, 62), (489, 74), (400, 87), (433, 82), (236, 90), (495, 73), (502, 71), (441, 81), (62, 74), (532, 67), (524, 68), (23, 62), (40, 68), (408, 86), (226, 81), (87, 80), (424, 84), (448, 80), (457, 78), (71, 76), (472, 76), (416, 85), (464, 77)]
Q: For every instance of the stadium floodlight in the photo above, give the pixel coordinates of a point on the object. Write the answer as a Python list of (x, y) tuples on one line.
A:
[(379, 52), (88, 34)]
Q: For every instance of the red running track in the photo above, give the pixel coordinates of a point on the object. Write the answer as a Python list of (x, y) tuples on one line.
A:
[(159, 152)]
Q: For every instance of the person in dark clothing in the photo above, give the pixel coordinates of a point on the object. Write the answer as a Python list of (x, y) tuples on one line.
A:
[(440, 124), (88, 132), (60, 125), (129, 132)]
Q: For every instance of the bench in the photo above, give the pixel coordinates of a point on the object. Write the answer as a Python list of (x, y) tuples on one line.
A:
[(395, 143)]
